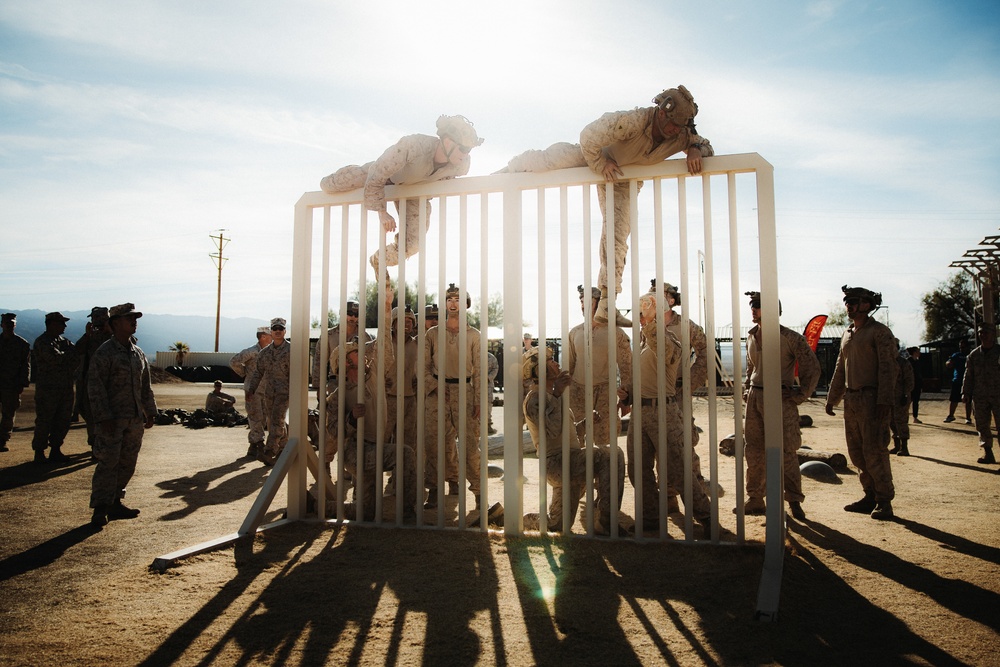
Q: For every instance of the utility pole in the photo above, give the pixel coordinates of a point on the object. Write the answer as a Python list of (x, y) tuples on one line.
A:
[(219, 261)]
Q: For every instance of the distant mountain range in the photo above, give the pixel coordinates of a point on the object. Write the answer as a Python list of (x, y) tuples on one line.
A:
[(156, 333)]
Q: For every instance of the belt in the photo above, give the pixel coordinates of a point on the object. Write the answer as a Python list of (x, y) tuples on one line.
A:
[(453, 380), (653, 401), (851, 391)]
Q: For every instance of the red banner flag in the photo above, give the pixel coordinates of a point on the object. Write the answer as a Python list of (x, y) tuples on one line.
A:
[(813, 330)]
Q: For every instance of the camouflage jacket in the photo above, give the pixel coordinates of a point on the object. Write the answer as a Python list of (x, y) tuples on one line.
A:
[(273, 368), (244, 363), (627, 138), (982, 373), (15, 362), (578, 358), (794, 350), (118, 383), (55, 361), (409, 160)]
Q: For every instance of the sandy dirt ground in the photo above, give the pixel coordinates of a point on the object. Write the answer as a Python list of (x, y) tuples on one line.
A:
[(923, 589)]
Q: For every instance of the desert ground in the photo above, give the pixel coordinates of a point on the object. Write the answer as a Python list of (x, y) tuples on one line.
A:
[(923, 589)]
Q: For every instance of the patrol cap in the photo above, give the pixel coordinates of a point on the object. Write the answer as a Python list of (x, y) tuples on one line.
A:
[(8, 317), (217, 383), (668, 290), (123, 309), (678, 103), (595, 292), (353, 308), (460, 130), (431, 311), (529, 362), (98, 313), (56, 316), (407, 313), (263, 331), (278, 323), (874, 298)]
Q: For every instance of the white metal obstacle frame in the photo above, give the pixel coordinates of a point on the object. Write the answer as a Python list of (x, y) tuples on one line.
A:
[(299, 455)]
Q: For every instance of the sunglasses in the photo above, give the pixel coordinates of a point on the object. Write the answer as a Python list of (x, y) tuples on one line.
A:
[(277, 328), (852, 301)]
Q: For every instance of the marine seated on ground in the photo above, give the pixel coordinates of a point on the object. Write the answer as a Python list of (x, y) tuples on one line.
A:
[(219, 403)]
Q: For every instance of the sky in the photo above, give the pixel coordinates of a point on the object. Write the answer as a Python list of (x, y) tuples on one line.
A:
[(131, 132)]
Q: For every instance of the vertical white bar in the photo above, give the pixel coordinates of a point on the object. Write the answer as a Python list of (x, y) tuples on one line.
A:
[(400, 355), (442, 387), (512, 282), (588, 352), (706, 194), (484, 346), (341, 365), (734, 260), (323, 350), (298, 398), (564, 442), (359, 396), (542, 369), (685, 354), (661, 377), (463, 358), (770, 584), (421, 359)]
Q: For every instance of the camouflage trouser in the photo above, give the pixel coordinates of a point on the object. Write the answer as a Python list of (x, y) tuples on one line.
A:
[(116, 455), (985, 410), (453, 412), (258, 413), (354, 176), (900, 421), (83, 407), (622, 227), (10, 401), (791, 440), (277, 433), (866, 427), (695, 459), (578, 485), (647, 448), (578, 404), (409, 419), (53, 414), (370, 488)]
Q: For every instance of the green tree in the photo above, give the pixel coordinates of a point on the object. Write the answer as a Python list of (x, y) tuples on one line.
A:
[(950, 309), (181, 348), (410, 299)]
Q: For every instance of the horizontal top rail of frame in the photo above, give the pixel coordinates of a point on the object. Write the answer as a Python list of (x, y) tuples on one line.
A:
[(720, 164)]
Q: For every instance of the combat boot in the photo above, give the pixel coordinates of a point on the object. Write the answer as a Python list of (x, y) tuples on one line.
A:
[(621, 320), (452, 488), (895, 442), (987, 457), (432, 498), (120, 511), (903, 450), (40, 456), (882, 511), (797, 511), (755, 507), (864, 506), (601, 314), (56, 456), (100, 517)]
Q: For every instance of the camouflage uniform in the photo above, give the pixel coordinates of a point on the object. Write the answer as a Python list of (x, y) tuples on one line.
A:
[(55, 359), (274, 371), (258, 405), (553, 423), (220, 402), (448, 387), (579, 359), (408, 391), (15, 369), (647, 407), (120, 393), (794, 349), (627, 138), (86, 347), (375, 404), (900, 423), (408, 161), (699, 374), (865, 378), (982, 386), (333, 340)]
